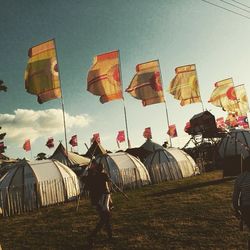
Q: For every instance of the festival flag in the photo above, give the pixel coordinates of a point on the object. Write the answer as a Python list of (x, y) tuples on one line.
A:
[(104, 77), (147, 133), (224, 95), (146, 85), (50, 143), (95, 138), (220, 123), (172, 132), (41, 74), (184, 86), (187, 127), (242, 100), (120, 137), (231, 120), (243, 121), (26, 145), (73, 141)]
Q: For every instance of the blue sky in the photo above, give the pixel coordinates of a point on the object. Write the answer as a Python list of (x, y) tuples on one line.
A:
[(175, 32)]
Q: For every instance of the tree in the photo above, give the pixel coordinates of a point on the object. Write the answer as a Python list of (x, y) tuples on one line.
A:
[(2, 86), (41, 156)]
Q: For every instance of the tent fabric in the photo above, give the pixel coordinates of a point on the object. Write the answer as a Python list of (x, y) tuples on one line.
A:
[(95, 150), (125, 170), (71, 160), (39, 183), (168, 163), (234, 144)]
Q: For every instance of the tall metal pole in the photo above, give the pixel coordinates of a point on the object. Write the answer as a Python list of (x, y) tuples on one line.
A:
[(62, 102), (170, 140), (124, 108)]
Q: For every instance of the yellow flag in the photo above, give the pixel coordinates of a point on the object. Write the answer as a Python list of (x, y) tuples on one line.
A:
[(146, 85), (224, 95), (184, 86), (242, 100), (41, 75), (104, 77)]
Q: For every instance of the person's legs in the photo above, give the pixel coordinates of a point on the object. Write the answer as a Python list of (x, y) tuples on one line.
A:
[(107, 223)]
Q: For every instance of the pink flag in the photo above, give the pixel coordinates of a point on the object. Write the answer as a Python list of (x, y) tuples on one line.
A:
[(50, 143), (26, 145), (120, 137), (96, 137), (220, 123), (172, 132), (73, 141), (243, 121), (147, 133)]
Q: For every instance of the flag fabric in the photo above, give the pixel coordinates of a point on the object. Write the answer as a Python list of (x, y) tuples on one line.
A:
[(147, 133), (41, 74), (50, 143), (187, 127), (73, 141), (104, 77), (184, 86), (240, 93), (120, 137), (96, 138), (224, 95), (26, 145), (146, 85), (220, 123), (231, 120), (243, 121), (172, 132), (2, 147)]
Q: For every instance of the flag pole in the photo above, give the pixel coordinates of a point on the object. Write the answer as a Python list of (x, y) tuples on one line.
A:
[(170, 140), (199, 90), (62, 102), (124, 108)]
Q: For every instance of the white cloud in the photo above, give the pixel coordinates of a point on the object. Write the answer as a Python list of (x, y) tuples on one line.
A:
[(28, 123)]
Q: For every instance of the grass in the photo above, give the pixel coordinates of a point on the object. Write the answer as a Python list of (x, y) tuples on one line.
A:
[(192, 213)]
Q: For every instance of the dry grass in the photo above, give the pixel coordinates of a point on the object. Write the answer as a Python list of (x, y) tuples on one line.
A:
[(193, 213)]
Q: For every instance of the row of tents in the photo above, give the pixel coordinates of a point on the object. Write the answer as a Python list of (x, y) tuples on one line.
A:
[(26, 185)]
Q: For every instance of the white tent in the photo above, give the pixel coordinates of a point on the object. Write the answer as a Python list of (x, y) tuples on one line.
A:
[(169, 163), (125, 170), (30, 185)]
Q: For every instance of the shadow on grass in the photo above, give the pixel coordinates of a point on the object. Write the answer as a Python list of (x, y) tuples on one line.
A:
[(193, 186)]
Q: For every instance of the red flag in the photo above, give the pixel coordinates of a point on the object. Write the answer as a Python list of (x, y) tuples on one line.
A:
[(121, 136), (50, 143), (73, 141), (243, 121), (96, 137), (172, 132), (26, 145), (220, 123), (187, 127), (147, 133)]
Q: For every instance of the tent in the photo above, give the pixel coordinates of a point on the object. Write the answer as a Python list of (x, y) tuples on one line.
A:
[(30, 185), (168, 163), (95, 150), (125, 170), (71, 159), (231, 150)]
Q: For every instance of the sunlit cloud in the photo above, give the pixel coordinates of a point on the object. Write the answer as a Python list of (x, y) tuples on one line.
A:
[(28, 123)]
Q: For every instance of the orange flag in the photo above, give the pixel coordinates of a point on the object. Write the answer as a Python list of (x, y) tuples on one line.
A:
[(172, 132), (26, 145), (104, 77), (41, 75), (184, 86), (146, 85)]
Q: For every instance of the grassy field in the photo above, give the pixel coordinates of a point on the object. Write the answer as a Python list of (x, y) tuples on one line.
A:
[(193, 213)]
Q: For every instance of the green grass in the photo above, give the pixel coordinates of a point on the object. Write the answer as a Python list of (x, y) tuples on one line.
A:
[(193, 213)]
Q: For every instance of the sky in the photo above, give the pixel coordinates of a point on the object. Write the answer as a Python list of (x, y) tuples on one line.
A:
[(175, 32)]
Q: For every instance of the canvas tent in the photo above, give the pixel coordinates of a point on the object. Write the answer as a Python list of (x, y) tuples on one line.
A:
[(95, 149), (125, 170), (71, 159), (30, 185), (231, 150), (168, 164)]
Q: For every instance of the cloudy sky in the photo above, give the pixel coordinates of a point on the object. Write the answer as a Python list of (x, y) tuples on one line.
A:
[(177, 32)]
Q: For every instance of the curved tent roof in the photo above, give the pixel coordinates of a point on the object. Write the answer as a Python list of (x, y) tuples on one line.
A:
[(169, 164), (151, 146), (38, 183), (95, 150), (236, 142), (125, 170), (71, 160)]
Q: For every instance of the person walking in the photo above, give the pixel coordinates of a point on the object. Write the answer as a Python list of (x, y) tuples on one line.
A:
[(98, 185)]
